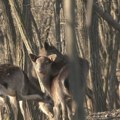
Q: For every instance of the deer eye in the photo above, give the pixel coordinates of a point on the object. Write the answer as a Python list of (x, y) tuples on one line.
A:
[(47, 62)]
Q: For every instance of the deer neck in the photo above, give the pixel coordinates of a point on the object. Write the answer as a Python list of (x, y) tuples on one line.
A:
[(46, 81)]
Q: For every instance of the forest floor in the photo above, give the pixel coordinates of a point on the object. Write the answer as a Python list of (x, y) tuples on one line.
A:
[(108, 115)]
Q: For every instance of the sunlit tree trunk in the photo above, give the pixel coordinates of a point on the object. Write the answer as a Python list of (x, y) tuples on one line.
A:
[(10, 30), (57, 23)]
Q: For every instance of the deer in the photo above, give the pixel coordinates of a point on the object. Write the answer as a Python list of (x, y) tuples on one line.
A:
[(59, 63), (63, 60), (51, 83), (14, 83), (53, 76)]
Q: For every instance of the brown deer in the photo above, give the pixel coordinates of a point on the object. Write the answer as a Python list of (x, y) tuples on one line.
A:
[(15, 83), (62, 60), (53, 75), (57, 67), (51, 83)]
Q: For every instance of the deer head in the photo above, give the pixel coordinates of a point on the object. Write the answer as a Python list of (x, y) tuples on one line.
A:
[(43, 63)]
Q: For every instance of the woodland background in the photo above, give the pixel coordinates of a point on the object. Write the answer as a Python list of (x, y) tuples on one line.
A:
[(99, 43)]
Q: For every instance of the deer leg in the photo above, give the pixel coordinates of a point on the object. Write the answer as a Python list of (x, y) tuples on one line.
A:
[(46, 109), (63, 104), (22, 108), (2, 103), (70, 108), (69, 111), (64, 110), (57, 111), (6, 91), (25, 96), (14, 106), (31, 97)]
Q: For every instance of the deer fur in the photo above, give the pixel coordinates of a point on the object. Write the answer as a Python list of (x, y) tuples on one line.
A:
[(58, 71), (54, 79), (15, 83), (43, 67)]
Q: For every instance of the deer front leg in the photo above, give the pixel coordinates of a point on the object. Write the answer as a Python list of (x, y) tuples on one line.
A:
[(57, 111), (64, 110), (69, 112), (23, 109), (70, 108)]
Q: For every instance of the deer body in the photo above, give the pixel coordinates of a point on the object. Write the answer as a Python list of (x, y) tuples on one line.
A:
[(15, 83)]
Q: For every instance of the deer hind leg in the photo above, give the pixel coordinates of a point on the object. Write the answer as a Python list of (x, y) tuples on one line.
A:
[(14, 105), (63, 105), (22, 109), (31, 97)]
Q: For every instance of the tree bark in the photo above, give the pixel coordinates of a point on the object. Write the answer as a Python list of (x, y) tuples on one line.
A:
[(99, 97)]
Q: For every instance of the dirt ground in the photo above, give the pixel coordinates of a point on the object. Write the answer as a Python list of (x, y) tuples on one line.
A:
[(108, 115)]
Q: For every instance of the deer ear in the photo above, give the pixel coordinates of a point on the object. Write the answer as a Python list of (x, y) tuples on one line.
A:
[(33, 57), (52, 57), (47, 46)]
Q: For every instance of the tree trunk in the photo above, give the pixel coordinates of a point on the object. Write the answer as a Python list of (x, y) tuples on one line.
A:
[(99, 97)]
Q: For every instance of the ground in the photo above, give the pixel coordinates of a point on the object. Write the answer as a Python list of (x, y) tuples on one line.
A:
[(108, 115)]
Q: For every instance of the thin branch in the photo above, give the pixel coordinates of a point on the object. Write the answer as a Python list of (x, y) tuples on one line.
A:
[(20, 26), (107, 17)]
